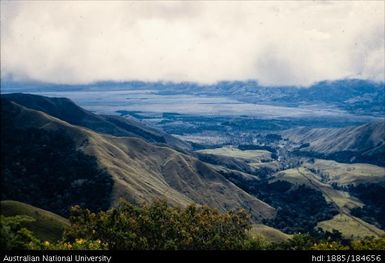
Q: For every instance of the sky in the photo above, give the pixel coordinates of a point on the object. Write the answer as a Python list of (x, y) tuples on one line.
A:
[(276, 43)]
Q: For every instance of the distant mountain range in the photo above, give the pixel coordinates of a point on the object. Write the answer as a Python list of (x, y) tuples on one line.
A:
[(356, 96)]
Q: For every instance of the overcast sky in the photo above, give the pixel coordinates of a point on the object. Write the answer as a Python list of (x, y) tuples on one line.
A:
[(276, 43)]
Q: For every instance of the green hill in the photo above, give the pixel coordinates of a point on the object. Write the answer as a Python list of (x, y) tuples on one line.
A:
[(66, 110), (345, 221), (360, 144), (47, 225), (138, 171), (269, 233), (351, 227)]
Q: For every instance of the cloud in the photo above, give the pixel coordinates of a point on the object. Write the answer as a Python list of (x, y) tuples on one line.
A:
[(277, 43)]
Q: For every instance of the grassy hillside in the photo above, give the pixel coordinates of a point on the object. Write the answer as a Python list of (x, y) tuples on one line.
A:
[(356, 189), (43, 164), (66, 110), (344, 174), (271, 234), (256, 162), (365, 143), (140, 171), (303, 176), (47, 225), (249, 155), (151, 171), (350, 204), (351, 227)]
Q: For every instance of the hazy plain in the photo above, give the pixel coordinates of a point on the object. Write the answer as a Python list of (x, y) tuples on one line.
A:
[(109, 102)]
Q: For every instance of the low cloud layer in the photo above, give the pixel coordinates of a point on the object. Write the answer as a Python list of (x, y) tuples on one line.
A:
[(276, 43)]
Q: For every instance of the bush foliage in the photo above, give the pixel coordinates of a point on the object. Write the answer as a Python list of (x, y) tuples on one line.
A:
[(158, 226), (13, 234)]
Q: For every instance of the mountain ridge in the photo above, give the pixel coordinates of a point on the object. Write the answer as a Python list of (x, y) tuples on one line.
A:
[(364, 143), (65, 109), (143, 171)]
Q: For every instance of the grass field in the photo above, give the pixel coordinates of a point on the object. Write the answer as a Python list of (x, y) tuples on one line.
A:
[(250, 155), (269, 233), (345, 174), (48, 226), (350, 226), (273, 165)]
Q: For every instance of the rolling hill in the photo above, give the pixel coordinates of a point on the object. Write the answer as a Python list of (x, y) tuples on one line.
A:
[(47, 225), (340, 191), (346, 203), (365, 143), (343, 174), (66, 110), (351, 227), (139, 171), (269, 233)]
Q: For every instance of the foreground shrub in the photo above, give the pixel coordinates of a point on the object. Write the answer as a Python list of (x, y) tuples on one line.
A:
[(14, 235), (78, 244), (159, 226), (369, 243), (333, 245)]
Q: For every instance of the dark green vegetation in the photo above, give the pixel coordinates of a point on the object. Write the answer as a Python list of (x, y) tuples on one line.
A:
[(45, 169), (46, 225), (373, 197), (157, 226), (299, 208), (14, 235)]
